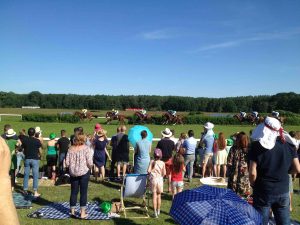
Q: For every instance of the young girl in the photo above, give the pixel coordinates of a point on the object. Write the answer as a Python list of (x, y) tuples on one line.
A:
[(176, 174), (157, 171)]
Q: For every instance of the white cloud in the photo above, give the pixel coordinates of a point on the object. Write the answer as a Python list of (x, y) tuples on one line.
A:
[(160, 34)]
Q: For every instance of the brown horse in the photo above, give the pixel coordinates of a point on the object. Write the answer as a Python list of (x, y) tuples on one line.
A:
[(249, 119), (89, 116), (143, 118), (110, 116), (168, 118)]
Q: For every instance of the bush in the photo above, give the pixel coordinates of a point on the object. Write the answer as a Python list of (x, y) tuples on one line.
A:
[(50, 118), (68, 118)]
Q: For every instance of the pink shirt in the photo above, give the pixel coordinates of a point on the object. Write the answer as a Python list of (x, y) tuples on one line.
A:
[(79, 160)]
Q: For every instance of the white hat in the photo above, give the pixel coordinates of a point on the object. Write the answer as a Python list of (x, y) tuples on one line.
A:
[(166, 133), (209, 126), (266, 133), (38, 130), (214, 181), (10, 133), (275, 114)]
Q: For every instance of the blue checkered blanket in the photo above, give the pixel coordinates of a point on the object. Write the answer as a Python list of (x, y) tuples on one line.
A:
[(61, 210)]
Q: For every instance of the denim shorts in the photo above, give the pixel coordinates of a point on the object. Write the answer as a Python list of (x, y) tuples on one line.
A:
[(177, 184)]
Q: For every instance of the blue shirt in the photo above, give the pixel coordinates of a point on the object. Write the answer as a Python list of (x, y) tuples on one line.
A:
[(208, 141), (190, 145)]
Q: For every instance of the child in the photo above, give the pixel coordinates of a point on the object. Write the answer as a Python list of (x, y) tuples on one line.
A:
[(176, 174), (157, 171)]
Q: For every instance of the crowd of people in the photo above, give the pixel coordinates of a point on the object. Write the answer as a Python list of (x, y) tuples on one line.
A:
[(256, 165)]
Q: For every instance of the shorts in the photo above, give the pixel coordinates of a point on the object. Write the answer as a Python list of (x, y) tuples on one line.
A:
[(177, 184), (168, 165), (122, 162), (207, 157), (51, 160), (157, 184)]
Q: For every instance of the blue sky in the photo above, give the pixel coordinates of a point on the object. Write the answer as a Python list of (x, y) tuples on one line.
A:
[(186, 48)]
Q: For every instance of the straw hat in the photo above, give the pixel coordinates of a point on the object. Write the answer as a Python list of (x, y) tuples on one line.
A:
[(10, 133), (209, 125), (101, 133), (38, 130), (214, 181), (266, 133), (166, 133)]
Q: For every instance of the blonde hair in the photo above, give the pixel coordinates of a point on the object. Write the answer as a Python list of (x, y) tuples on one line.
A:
[(79, 139)]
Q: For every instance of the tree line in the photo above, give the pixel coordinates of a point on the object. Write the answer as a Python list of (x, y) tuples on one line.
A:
[(264, 103)]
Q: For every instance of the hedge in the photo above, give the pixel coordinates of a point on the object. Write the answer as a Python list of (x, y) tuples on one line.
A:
[(50, 118)]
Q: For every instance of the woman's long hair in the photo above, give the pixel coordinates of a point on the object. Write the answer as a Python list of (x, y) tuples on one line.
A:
[(242, 141), (178, 161), (221, 141)]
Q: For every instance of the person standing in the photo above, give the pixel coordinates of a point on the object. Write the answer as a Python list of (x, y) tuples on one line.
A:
[(62, 145), (142, 154), (51, 157), (122, 151), (207, 142), (178, 168), (32, 151), (167, 146), (113, 143), (221, 159), (189, 156), (270, 161), (79, 160)]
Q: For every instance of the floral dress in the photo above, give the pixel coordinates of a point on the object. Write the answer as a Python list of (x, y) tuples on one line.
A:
[(238, 173)]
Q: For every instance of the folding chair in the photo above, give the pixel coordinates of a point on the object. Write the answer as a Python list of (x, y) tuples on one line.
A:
[(134, 185)]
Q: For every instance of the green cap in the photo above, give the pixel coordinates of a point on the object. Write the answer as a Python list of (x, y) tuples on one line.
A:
[(229, 142), (105, 207), (52, 136), (216, 136)]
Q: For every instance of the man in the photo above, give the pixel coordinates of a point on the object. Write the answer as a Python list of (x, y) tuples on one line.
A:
[(172, 112), (113, 144), (84, 111), (115, 112), (243, 115), (62, 145), (207, 142), (143, 111), (167, 146), (254, 114), (189, 156), (32, 152), (270, 161), (5, 129), (275, 114), (122, 151)]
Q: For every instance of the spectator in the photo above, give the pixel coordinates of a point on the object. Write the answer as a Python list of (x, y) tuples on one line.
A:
[(51, 157), (32, 151), (62, 145), (207, 142), (113, 144), (189, 156), (221, 159), (99, 153), (178, 168), (20, 151), (79, 160), (142, 156), (270, 161), (122, 151), (8, 213), (157, 171), (179, 143), (38, 134), (167, 146), (5, 129), (238, 170)]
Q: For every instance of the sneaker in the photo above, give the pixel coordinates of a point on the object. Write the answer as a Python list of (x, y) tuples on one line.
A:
[(158, 212), (155, 215), (16, 181)]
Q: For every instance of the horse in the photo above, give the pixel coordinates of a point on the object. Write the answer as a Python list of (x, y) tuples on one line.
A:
[(168, 118), (110, 116), (143, 118), (82, 116), (249, 119)]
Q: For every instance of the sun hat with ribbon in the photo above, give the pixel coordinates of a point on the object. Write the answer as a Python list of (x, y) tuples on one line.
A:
[(208, 125), (266, 133), (166, 132), (10, 132)]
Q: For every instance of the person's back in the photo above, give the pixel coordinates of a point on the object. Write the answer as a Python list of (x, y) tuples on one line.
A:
[(167, 146), (31, 147), (144, 146), (63, 144)]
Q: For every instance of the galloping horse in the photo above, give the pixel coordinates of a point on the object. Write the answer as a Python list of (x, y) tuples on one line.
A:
[(83, 116), (110, 116), (168, 118), (143, 118), (249, 119)]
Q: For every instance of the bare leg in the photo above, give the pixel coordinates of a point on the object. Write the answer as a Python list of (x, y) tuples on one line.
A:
[(174, 192), (118, 170), (224, 170), (218, 170), (203, 169), (154, 201), (103, 172), (169, 183), (158, 201), (124, 170)]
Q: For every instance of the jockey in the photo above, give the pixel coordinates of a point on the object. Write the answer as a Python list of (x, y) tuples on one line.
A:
[(254, 114), (143, 111), (172, 112), (115, 112), (84, 111), (275, 114), (243, 114)]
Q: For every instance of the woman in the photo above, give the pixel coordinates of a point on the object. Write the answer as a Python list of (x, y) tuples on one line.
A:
[(238, 174), (51, 156), (79, 160), (221, 159), (142, 156), (100, 144), (179, 143)]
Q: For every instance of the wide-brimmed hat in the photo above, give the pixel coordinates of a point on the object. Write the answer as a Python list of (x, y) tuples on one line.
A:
[(208, 125), (157, 153), (214, 181), (10, 133), (166, 132), (266, 133), (52, 136), (98, 127), (38, 130)]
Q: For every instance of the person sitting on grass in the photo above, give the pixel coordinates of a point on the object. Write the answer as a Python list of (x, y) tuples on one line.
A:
[(176, 173), (157, 171)]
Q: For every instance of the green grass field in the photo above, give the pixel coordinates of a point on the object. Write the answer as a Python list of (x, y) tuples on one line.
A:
[(109, 191)]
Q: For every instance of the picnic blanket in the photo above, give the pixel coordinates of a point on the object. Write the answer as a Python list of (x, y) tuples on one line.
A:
[(22, 201), (61, 210)]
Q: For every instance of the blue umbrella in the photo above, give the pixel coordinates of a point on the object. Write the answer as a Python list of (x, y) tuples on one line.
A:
[(211, 205), (134, 134)]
